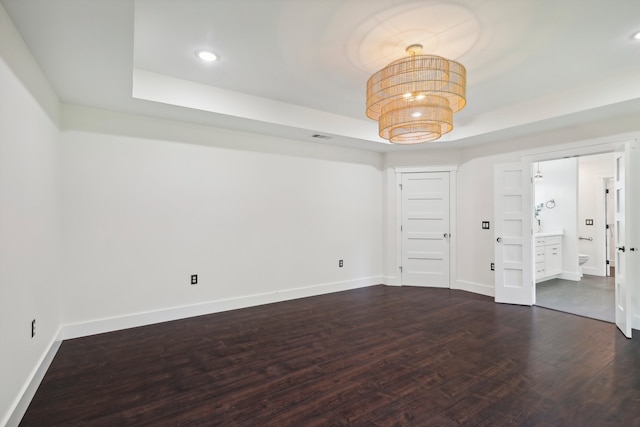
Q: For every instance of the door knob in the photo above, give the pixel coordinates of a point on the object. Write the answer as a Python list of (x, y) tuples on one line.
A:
[(446, 235), (632, 249), (499, 239), (621, 248)]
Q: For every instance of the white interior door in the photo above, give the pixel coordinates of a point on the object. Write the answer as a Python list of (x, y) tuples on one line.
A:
[(513, 212), (425, 229), (627, 162)]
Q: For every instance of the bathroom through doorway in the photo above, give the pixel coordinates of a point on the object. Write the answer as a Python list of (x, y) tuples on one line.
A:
[(574, 242)]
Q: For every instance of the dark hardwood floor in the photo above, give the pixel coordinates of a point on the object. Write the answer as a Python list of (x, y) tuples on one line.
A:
[(381, 356)]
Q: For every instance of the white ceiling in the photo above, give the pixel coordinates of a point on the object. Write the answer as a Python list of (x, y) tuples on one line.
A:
[(293, 68)]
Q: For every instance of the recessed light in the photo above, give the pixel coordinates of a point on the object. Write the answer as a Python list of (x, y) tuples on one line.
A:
[(416, 114), (206, 55), (636, 36)]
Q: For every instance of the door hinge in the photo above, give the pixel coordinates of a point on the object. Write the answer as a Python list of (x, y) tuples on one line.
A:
[(400, 269), (400, 187), (607, 226), (608, 262), (606, 191), (400, 228)]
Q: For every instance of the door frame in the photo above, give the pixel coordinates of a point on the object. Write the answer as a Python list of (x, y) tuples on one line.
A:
[(453, 202)]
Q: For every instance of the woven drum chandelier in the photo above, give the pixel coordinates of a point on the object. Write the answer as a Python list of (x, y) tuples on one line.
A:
[(414, 98)]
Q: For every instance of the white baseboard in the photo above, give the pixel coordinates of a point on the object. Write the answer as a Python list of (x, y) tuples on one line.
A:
[(592, 271), (546, 279), (391, 281), (30, 388), (570, 276), (476, 288), (174, 313)]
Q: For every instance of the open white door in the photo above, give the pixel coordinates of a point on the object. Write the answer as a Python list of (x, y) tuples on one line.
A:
[(513, 215), (627, 164)]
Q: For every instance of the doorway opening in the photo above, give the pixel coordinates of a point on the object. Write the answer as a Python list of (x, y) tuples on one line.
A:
[(574, 236), (514, 214)]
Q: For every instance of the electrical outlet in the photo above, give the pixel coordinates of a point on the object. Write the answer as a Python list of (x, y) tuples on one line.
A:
[(340, 263), (33, 328), (493, 266), (194, 279), (485, 225), (588, 222)]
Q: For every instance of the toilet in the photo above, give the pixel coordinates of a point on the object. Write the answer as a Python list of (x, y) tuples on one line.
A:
[(582, 258)]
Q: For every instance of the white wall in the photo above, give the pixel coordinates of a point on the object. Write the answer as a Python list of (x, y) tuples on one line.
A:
[(30, 239), (593, 170), (142, 213), (560, 184)]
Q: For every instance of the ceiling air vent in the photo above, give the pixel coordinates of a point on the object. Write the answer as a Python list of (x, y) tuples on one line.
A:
[(320, 136)]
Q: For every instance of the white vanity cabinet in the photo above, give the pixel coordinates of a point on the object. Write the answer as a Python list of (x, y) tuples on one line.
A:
[(548, 256)]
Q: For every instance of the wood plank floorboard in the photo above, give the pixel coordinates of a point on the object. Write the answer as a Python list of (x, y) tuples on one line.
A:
[(377, 356)]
